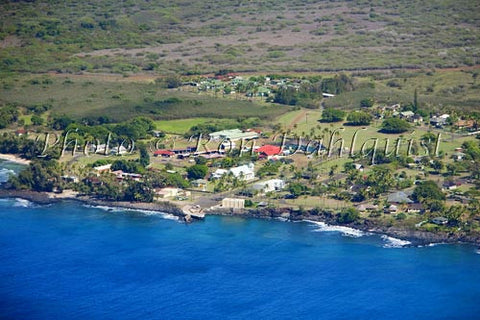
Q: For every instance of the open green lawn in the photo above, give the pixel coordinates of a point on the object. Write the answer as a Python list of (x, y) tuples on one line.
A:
[(121, 100), (27, 119), (314, 128)]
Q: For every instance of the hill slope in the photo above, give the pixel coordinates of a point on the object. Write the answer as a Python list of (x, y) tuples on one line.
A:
[(204, 36)]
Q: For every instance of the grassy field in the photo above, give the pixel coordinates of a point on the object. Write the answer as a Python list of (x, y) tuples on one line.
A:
[(313, 128), (436, 89), (122, 99)]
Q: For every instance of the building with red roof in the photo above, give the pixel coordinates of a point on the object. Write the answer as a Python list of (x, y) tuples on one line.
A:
[(269, 150), (164, 153)]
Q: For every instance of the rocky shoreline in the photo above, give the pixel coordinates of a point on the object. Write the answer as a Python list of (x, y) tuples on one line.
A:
[(416, 237)]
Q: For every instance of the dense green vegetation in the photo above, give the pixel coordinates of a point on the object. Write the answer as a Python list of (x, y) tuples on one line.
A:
[(395, 125), (332, 115), (359, 118)]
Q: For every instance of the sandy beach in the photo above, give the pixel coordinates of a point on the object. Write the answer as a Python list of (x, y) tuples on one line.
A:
[(14, 158)]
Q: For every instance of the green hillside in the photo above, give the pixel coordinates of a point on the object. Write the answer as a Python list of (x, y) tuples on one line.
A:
[(203, 36)]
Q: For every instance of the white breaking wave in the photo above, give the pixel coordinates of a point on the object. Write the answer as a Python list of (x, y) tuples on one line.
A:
[(23, 203), (391, 242), (5, 174), (164, 215), (433, 244), (345, 231)]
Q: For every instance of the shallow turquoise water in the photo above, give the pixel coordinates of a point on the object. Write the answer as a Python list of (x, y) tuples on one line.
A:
[(67, 261)]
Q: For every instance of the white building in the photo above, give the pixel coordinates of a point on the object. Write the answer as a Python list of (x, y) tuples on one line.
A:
[(170, 193), (245, 172), (103, 168), (269, 185), (233, 203), (233, 135)]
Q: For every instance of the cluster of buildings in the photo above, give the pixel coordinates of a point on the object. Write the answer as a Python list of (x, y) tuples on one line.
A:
[(259, 87)]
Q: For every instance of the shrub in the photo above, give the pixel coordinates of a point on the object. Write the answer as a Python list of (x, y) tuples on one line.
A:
[(359, 119), (348, 215), (332, 115), (395, 125)]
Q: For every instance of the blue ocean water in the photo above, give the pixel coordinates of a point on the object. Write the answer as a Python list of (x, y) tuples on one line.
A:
[(68, 261), (8, 168)]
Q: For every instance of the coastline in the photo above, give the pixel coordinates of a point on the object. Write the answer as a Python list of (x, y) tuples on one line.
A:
[(14, 158), (415, 237)]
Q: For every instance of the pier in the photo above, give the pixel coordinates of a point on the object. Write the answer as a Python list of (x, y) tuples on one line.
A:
[(193, 212)]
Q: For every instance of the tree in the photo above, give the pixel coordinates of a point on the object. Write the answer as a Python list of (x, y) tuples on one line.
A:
[(144, 159), (197, 171), (62, 122), (138, 191), (472, 149), (41, 175), (427, 190), (348, 215), (297, 189), (332, 115), (200, 160), (359, 118), (454, 213), (452, 169), (287, 96), (8, 114), (36, 120), (129, 166), (338, 84), (380, 180), (437, 165), (415, 99), (366, 103), (171, 81), (395, 125)]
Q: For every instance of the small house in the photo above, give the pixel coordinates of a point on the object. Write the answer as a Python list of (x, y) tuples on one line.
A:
[(157, 134), (415, 208), (199, 183), (103, 168), (416, 118), (451, 185), (245, 172), (164, 153), (367, 207), (440, 220), (68, 178), (407, 115), (465, 124), (21, 132), (399, 197), (168, 192), (458, 156), (359, 167), (391, 209), (234, 203)]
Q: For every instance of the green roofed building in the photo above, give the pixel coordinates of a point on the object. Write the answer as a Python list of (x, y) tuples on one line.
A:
[(233, 135)]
